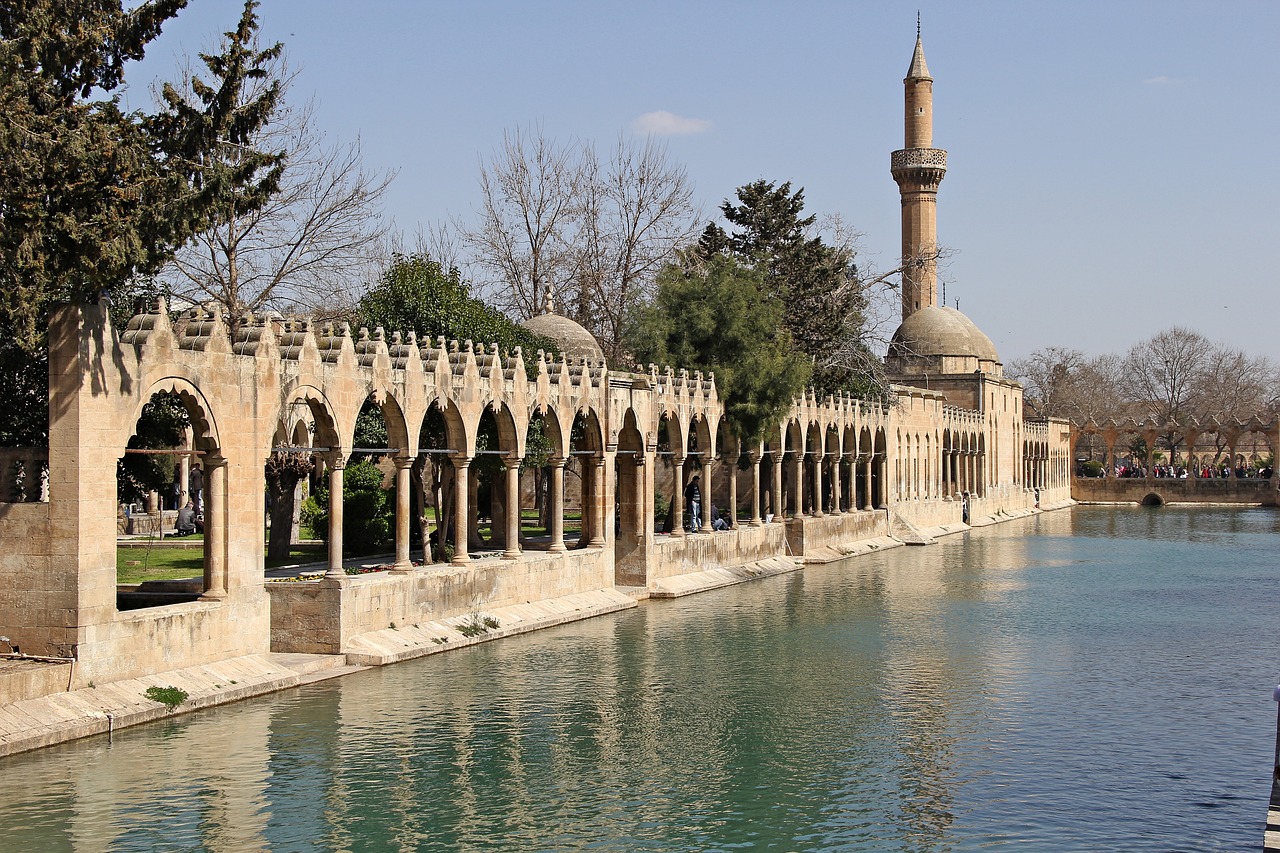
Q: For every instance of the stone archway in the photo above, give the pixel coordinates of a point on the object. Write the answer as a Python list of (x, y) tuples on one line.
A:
[(633, 507)]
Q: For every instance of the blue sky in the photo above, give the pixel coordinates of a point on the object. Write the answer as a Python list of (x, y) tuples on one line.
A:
[(1111, 164)]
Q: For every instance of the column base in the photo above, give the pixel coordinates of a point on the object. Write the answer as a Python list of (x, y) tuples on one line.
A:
[(214, 595), (460, 560), (510, 555)]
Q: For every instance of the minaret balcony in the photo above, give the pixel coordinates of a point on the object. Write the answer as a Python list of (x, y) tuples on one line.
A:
[(913, 158), (918, 168)]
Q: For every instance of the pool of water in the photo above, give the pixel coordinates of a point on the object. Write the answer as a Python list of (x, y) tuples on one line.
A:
[(1092, 679)]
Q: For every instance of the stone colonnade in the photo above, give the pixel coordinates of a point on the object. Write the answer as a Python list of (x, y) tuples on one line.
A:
[(1197, 445), (254, 384)]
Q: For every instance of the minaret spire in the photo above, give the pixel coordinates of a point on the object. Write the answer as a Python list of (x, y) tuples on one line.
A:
[(918, 168)]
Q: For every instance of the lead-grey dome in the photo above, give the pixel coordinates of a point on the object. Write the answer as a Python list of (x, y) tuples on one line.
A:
[(572, 339), (940, 331)]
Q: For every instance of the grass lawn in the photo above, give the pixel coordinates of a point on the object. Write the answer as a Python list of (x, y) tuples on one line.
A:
[(160, 563)]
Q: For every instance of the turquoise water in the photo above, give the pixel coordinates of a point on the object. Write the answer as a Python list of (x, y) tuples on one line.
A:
[(1094, 679)]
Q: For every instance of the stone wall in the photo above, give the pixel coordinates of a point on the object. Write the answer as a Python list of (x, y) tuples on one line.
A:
[(321, 617), (809, 533), (141, 642), (1169, 490), (36, 605), (680, 555)]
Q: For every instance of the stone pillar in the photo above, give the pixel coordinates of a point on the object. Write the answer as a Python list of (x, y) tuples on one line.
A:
[(866, 482), (775, 497), (461, 509), (677, 497), (755, 490), (557, 504), (215, 529), (836, 465), (798, 487), (597, 502), (184, 470), (335, 571), (884, 481), (403, 467), (512, 506), (819, 460), (706, 492), (733, 485)]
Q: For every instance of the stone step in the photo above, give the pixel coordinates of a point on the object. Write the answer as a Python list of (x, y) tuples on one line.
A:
[(331, 672), (305, 664)]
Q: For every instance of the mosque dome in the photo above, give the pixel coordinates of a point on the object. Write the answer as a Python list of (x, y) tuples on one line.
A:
[(939, 332), (572, 339)]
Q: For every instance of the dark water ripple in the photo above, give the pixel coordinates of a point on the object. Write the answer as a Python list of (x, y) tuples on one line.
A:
[(1088, 680)]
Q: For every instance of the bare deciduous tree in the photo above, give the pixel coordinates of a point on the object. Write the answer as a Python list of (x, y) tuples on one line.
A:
[(310, 248), (556, 219), (636, 212), (1177, 379), (521, 247)]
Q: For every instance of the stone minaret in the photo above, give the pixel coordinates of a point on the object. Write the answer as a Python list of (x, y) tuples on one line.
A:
[(918, 168)]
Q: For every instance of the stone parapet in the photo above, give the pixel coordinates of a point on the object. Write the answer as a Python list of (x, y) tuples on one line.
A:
[(920, 167)]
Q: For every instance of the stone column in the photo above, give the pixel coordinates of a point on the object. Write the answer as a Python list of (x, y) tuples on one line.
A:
[(403, 563), (184, 469), (884, 481), (866, 482), (215, 530), (677, 498), (733, 485), (706, 491), (512, 506), (335, 571), (836, 462), (461, 509), (819, 460), (597, 502), (557, 504), (754, 459), (798, 487), (775, 497)]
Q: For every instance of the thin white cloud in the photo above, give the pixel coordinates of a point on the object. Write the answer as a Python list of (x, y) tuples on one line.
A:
[(1162, 80), (663, 123)]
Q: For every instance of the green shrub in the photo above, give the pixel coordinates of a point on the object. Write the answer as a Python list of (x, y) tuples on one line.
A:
[(367, 514), (170, 697), (1091, 468)]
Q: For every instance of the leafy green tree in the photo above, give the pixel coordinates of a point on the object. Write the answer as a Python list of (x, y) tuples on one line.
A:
[(161, 426), (824, 300), (720, 316), (92, 197), (416, 293), (367, 514)]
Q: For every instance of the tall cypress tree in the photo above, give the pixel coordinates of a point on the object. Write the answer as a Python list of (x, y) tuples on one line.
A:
[(824, 304), (92, 196)]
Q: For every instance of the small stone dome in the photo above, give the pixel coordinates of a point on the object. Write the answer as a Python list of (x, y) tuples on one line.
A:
[(572, 339), (939, 331)]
